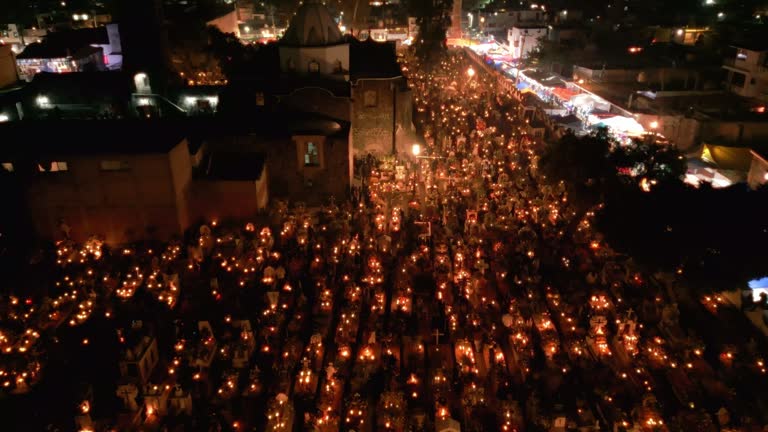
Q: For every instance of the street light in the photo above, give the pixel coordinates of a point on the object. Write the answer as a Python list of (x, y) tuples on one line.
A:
[(470, 72), (654, 124), (416, 150)]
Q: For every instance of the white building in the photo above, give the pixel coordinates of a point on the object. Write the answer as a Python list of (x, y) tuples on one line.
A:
[(313, 44), (503, 20), (748, 72), (525, 39)]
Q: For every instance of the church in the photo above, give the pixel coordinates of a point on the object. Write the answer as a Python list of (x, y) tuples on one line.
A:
[(339, 97)]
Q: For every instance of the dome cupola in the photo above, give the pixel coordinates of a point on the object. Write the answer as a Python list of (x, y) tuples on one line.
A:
[(312, 25)]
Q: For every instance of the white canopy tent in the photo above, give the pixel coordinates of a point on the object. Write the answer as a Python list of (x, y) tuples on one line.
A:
[(622, 125), (589, 102)]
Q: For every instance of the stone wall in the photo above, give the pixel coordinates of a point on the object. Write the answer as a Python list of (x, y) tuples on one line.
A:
[(372, 112)]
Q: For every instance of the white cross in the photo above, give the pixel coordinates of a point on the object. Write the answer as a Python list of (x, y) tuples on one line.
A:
[(481, 266), (437, 335)]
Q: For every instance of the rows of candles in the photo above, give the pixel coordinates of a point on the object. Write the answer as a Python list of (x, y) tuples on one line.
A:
[(488, 286)]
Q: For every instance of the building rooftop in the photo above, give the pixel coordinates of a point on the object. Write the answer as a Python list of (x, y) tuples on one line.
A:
[(136, 339), (371, 59), (78, 37), (312, 25), (761, 152), (752, 45), (44, 50), (240, 166), (81, 137), (82, 83), (530, 26)]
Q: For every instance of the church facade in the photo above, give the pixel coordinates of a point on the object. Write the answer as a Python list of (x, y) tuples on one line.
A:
[(349, 94), (378, 98)]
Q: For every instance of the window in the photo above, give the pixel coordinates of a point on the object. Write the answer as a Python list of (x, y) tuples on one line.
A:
[(739, 79), (132, 370), (53, 167), (311, 155), (114, 165), (7, 166), (314, 67), (369, 98)]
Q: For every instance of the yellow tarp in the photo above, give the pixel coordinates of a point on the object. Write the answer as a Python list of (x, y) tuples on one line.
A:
[(727, 158)]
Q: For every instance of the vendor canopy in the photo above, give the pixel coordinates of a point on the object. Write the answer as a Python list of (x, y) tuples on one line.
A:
[(729, 158), (758, 286), (522, 85), (563, 93), (623, 124), (586, 100)]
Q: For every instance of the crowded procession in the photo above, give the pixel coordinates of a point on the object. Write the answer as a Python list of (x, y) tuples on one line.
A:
[(454, 289)]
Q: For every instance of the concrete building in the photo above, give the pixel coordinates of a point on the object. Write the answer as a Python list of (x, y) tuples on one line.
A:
[(123, 180), (38, 57), (309, 158), (140, 356), (455, 31), (525, 39), (758, 170), (500, 21), (224, 177), (747, 71), (349, 99), (85, 49), (227, 23), (8, 74)]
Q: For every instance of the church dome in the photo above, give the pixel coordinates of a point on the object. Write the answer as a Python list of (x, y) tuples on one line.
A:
[(312, 26)]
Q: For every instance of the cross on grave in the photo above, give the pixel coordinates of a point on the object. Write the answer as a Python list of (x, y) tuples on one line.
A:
[(437, 335), (481, 266), (305, 363)]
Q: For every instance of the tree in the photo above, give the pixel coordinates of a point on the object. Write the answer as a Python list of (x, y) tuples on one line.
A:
[(583, 164), (648, 162), (712, 237), (433, 19), (191, 59), (549, 53)]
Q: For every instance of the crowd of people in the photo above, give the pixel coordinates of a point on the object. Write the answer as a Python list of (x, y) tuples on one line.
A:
[(456, 288)]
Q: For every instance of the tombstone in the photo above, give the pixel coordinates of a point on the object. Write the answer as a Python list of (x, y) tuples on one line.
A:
[(180, 401), (127, 394), (384, 243), (316, 339), (280, 273), (330, 372), (447, 424), (205, 231), (273, 297), (559, 424), (481, 266), (400, 173), (269, 273), (723, 417), (670, 314), (597, 324), (172, 280)]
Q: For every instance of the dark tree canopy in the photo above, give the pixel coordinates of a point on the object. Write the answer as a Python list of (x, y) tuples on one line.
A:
[(713, 238), (433, 19), (582, 163)]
